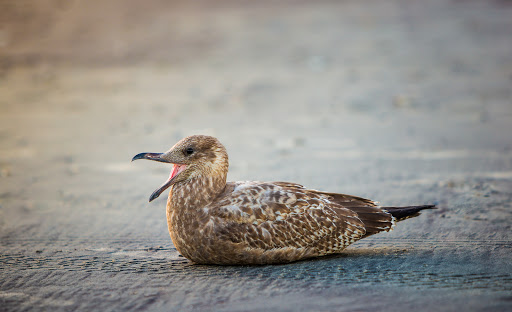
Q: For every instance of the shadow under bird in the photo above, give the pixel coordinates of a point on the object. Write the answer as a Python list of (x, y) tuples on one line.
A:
[(212, 221)]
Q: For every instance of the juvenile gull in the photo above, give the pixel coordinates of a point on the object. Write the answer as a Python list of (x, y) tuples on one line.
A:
[(212, 221)]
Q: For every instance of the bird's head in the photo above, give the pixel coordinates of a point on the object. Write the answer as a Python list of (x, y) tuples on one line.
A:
[(193, 157)]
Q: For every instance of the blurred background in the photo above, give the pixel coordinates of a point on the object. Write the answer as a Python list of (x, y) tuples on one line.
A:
[(404, 102)]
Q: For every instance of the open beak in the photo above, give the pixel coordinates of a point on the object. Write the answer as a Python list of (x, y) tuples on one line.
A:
[(177, 169)]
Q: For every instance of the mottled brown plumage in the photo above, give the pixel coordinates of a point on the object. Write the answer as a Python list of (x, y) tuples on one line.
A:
[(214, 222)]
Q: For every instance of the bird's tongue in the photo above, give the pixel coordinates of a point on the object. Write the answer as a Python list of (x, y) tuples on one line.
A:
[(176, 169)]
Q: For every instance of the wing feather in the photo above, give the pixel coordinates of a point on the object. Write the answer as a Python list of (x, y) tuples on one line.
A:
[(277, 215)]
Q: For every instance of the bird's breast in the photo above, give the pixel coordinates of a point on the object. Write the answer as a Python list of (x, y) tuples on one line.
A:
[(191, 227)]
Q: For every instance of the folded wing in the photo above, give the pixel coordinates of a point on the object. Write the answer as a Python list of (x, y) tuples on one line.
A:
[(277, 215)]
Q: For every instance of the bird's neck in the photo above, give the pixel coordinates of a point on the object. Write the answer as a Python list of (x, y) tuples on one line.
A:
[(196, 192)]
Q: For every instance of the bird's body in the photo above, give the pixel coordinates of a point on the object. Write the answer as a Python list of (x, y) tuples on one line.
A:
[(212, 221)]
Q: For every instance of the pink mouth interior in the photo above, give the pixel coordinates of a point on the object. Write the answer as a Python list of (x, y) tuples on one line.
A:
[(176, 169)]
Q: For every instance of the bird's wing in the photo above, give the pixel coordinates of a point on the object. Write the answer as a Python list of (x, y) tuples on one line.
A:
[(340, 199), (278, 215)]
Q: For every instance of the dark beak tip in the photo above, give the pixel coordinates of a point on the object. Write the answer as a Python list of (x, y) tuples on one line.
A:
[(139, 156), (155, 195)]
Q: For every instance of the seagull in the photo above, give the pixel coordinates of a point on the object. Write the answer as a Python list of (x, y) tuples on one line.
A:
[(212, 221)]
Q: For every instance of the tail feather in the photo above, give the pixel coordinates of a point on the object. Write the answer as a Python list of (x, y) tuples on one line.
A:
[(378, 219), (374, 218), (402, 213)]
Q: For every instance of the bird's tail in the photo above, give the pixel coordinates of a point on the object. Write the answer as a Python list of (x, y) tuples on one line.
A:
[(402, 213), (378, 219)]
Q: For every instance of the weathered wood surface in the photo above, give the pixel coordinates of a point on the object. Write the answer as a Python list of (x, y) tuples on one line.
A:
[(401, 102)]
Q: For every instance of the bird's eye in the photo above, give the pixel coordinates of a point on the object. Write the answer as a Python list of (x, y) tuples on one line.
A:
[(189, 151)]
